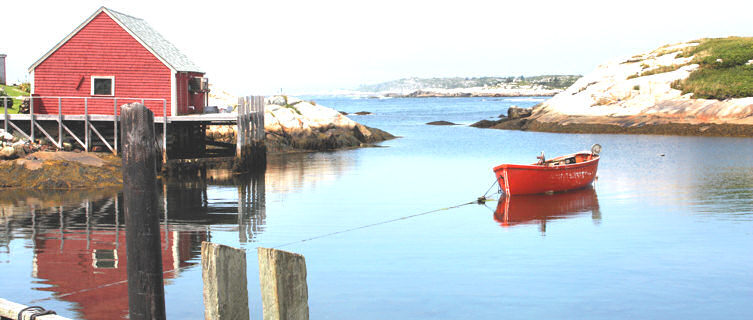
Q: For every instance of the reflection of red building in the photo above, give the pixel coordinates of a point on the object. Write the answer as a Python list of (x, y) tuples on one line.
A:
[(538, 208), (92, 269)]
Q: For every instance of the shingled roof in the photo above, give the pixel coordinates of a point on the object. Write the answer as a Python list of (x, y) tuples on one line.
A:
[(143, 32)]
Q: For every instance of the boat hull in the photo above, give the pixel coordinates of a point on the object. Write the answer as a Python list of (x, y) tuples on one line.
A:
[(532, 179)]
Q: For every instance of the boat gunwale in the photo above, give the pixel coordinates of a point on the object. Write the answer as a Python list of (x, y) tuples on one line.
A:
[(558, 167)]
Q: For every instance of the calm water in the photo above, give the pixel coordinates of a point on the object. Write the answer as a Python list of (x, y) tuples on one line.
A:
[(656, 237)]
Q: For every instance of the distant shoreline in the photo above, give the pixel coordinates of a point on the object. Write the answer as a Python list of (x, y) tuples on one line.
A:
[(434, 94)]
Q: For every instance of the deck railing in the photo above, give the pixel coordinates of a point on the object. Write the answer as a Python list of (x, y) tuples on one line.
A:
[(86, 117)]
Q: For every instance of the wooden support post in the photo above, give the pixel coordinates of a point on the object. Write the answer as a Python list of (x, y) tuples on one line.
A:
[(282, 276), (10, 310), (5, 108), (115, 126), (164, 134), (239, 129), (60, 123), (87, 138), (146, 295), (223, 270), (31, 116)]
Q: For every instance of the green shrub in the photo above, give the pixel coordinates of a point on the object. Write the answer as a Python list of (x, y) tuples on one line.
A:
[(723, 71)]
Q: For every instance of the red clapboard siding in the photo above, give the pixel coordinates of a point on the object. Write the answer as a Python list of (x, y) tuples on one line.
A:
[(186, 98), (101, 48)]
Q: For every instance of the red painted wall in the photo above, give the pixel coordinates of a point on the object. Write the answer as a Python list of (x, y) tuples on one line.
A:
[(101, 48), (186, 98)]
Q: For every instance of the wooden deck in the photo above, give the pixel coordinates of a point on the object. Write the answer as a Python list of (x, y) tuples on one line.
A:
[(182, 132)]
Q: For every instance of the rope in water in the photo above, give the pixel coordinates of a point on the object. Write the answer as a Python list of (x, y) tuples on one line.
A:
[(375, 224), (480, 200), (278, 246)]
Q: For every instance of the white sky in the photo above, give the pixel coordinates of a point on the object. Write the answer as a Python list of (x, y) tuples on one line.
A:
[(261, 47)]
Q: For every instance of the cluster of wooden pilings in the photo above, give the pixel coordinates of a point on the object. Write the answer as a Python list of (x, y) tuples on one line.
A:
[(251, 151)]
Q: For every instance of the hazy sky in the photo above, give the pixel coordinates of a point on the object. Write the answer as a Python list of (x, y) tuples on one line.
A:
[(261, 47)]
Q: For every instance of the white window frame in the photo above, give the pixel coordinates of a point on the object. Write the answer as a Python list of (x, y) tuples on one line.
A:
[(112, 80)]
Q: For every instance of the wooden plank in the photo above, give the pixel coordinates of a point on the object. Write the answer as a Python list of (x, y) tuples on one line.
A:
[(47, 135), (10, 310), (101, 138), (223, 270), (74, 136), (19, 130)]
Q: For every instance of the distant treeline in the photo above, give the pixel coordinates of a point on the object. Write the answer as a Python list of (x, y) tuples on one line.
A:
[(410, 84)]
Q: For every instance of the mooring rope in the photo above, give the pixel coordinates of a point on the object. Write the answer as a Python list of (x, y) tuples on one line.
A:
[(375, 224), (480, 200)]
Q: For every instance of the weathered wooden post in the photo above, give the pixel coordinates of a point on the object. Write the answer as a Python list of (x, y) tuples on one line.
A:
[(284, 292), (146, 292), (223, 270), (251, 152)]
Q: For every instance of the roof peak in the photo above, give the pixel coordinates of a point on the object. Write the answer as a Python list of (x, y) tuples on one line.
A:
[(140, 30), (103, 8)]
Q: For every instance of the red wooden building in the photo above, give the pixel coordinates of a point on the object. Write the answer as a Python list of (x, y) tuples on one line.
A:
[(113, 56)]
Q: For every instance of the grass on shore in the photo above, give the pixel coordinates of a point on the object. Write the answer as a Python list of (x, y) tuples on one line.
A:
[(13, 92), (724, 70)]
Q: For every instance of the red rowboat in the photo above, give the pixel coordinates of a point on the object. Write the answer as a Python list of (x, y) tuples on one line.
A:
[(562, 173)]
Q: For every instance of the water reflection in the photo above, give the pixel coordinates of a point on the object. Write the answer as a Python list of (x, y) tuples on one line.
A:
[(78, 239), (540, 208), (187, 202), (294, 172)]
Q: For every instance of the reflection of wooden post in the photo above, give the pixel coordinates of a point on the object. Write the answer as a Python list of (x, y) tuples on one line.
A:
[(223, 270), (282, 276), (146, 293)]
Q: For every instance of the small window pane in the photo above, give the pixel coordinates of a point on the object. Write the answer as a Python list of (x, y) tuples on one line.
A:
[(103, 86)]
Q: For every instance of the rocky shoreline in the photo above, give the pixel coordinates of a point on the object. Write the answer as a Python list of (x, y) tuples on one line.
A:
[(530, 121), (61, 170)]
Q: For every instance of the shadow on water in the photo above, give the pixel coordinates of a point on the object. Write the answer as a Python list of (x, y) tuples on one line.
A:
[(540, 208)]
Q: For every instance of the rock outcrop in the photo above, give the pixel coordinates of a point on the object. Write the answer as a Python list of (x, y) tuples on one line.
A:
[(292, 124), (61, 170), (638, 95), (627, 92)]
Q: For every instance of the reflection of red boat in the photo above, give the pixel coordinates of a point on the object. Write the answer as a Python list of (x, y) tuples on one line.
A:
[(559, 174), (532, 208)]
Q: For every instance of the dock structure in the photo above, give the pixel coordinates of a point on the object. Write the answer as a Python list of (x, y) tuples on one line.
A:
[(180, 138)]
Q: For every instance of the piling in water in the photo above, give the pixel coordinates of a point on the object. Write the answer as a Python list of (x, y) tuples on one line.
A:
[(223, 270), (284, 292), (146, 295)]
